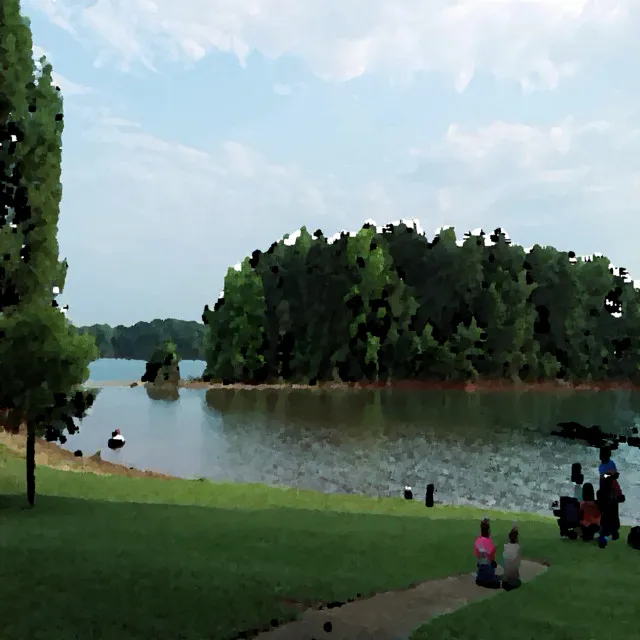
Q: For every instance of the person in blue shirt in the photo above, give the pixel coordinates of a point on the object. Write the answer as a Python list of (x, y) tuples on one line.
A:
[(607, 465)]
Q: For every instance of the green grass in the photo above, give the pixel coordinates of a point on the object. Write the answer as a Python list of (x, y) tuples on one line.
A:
[(123, 558)]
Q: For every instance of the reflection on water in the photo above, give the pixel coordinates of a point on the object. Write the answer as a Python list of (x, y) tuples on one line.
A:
[(491, 449), (164, 393)]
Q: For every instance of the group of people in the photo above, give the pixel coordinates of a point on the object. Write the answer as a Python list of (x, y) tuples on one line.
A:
[(485, 552), (599, 513)]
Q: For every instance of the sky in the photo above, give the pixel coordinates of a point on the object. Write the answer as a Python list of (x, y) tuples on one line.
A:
[(197, 131)]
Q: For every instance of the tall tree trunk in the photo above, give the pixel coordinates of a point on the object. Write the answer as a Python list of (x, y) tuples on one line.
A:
[(31, 463)]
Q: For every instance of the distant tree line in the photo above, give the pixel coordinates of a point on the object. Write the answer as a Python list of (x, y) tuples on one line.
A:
[(139, 341), (391, 305)]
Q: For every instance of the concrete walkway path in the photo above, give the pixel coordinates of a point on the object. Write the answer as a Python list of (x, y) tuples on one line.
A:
[(393, 615)]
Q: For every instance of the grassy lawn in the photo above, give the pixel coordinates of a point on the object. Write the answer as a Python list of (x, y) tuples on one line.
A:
[(112, 557)]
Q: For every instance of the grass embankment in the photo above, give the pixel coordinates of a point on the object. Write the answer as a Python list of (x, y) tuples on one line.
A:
[(115, 557)]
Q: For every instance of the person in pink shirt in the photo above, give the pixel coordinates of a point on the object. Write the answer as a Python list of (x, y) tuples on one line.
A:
[(485, 552)]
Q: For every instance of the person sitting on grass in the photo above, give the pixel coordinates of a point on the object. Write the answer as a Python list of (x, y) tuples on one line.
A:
[(511, 562), (589, 513), (485, 552)]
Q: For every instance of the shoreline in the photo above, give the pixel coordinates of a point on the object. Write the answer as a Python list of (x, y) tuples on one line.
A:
[(416, 385), (52, 455)]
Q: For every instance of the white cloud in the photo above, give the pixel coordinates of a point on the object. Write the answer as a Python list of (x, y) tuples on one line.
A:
[(235, 177), (539, 175), (202, 209), (282, 89), (56, 11), (241, 159), (445, 199), (118, 123), (504, 153), (532, 145), (152, 215), (68, 87), (535, 43)]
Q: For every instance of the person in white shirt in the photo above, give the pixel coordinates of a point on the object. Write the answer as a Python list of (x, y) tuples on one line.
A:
[(511, 562)]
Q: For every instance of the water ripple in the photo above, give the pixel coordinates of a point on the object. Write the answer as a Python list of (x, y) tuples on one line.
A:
[(510, 467)]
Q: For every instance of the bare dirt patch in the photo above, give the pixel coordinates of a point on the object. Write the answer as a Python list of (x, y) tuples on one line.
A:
[(391, 615)]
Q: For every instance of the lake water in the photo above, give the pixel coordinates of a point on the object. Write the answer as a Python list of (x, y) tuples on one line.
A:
[(485, 448), (107, 369)]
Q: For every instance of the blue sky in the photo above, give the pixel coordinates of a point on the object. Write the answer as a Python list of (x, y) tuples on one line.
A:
[(200, 130)]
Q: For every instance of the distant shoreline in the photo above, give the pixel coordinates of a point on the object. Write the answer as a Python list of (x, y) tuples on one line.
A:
[(421, 385), (51, 454)]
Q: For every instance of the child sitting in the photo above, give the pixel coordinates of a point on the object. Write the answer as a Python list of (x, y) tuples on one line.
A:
[(485, 552), (511, 562), (589, 513)]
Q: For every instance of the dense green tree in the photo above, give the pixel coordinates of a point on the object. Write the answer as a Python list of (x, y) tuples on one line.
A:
[(313, 357), (390, 304), (388, 343), (625, 337), (43, 361), (466, 346), (293, 312), (236, 339), (434, 360)]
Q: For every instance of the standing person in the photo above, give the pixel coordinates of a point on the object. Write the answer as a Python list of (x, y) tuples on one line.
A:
[(607, 503), (606, 463), (610, 486)]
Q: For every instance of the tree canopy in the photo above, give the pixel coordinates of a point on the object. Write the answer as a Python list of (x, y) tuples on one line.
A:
[(389, 304), (137, 342), (43, 360)]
